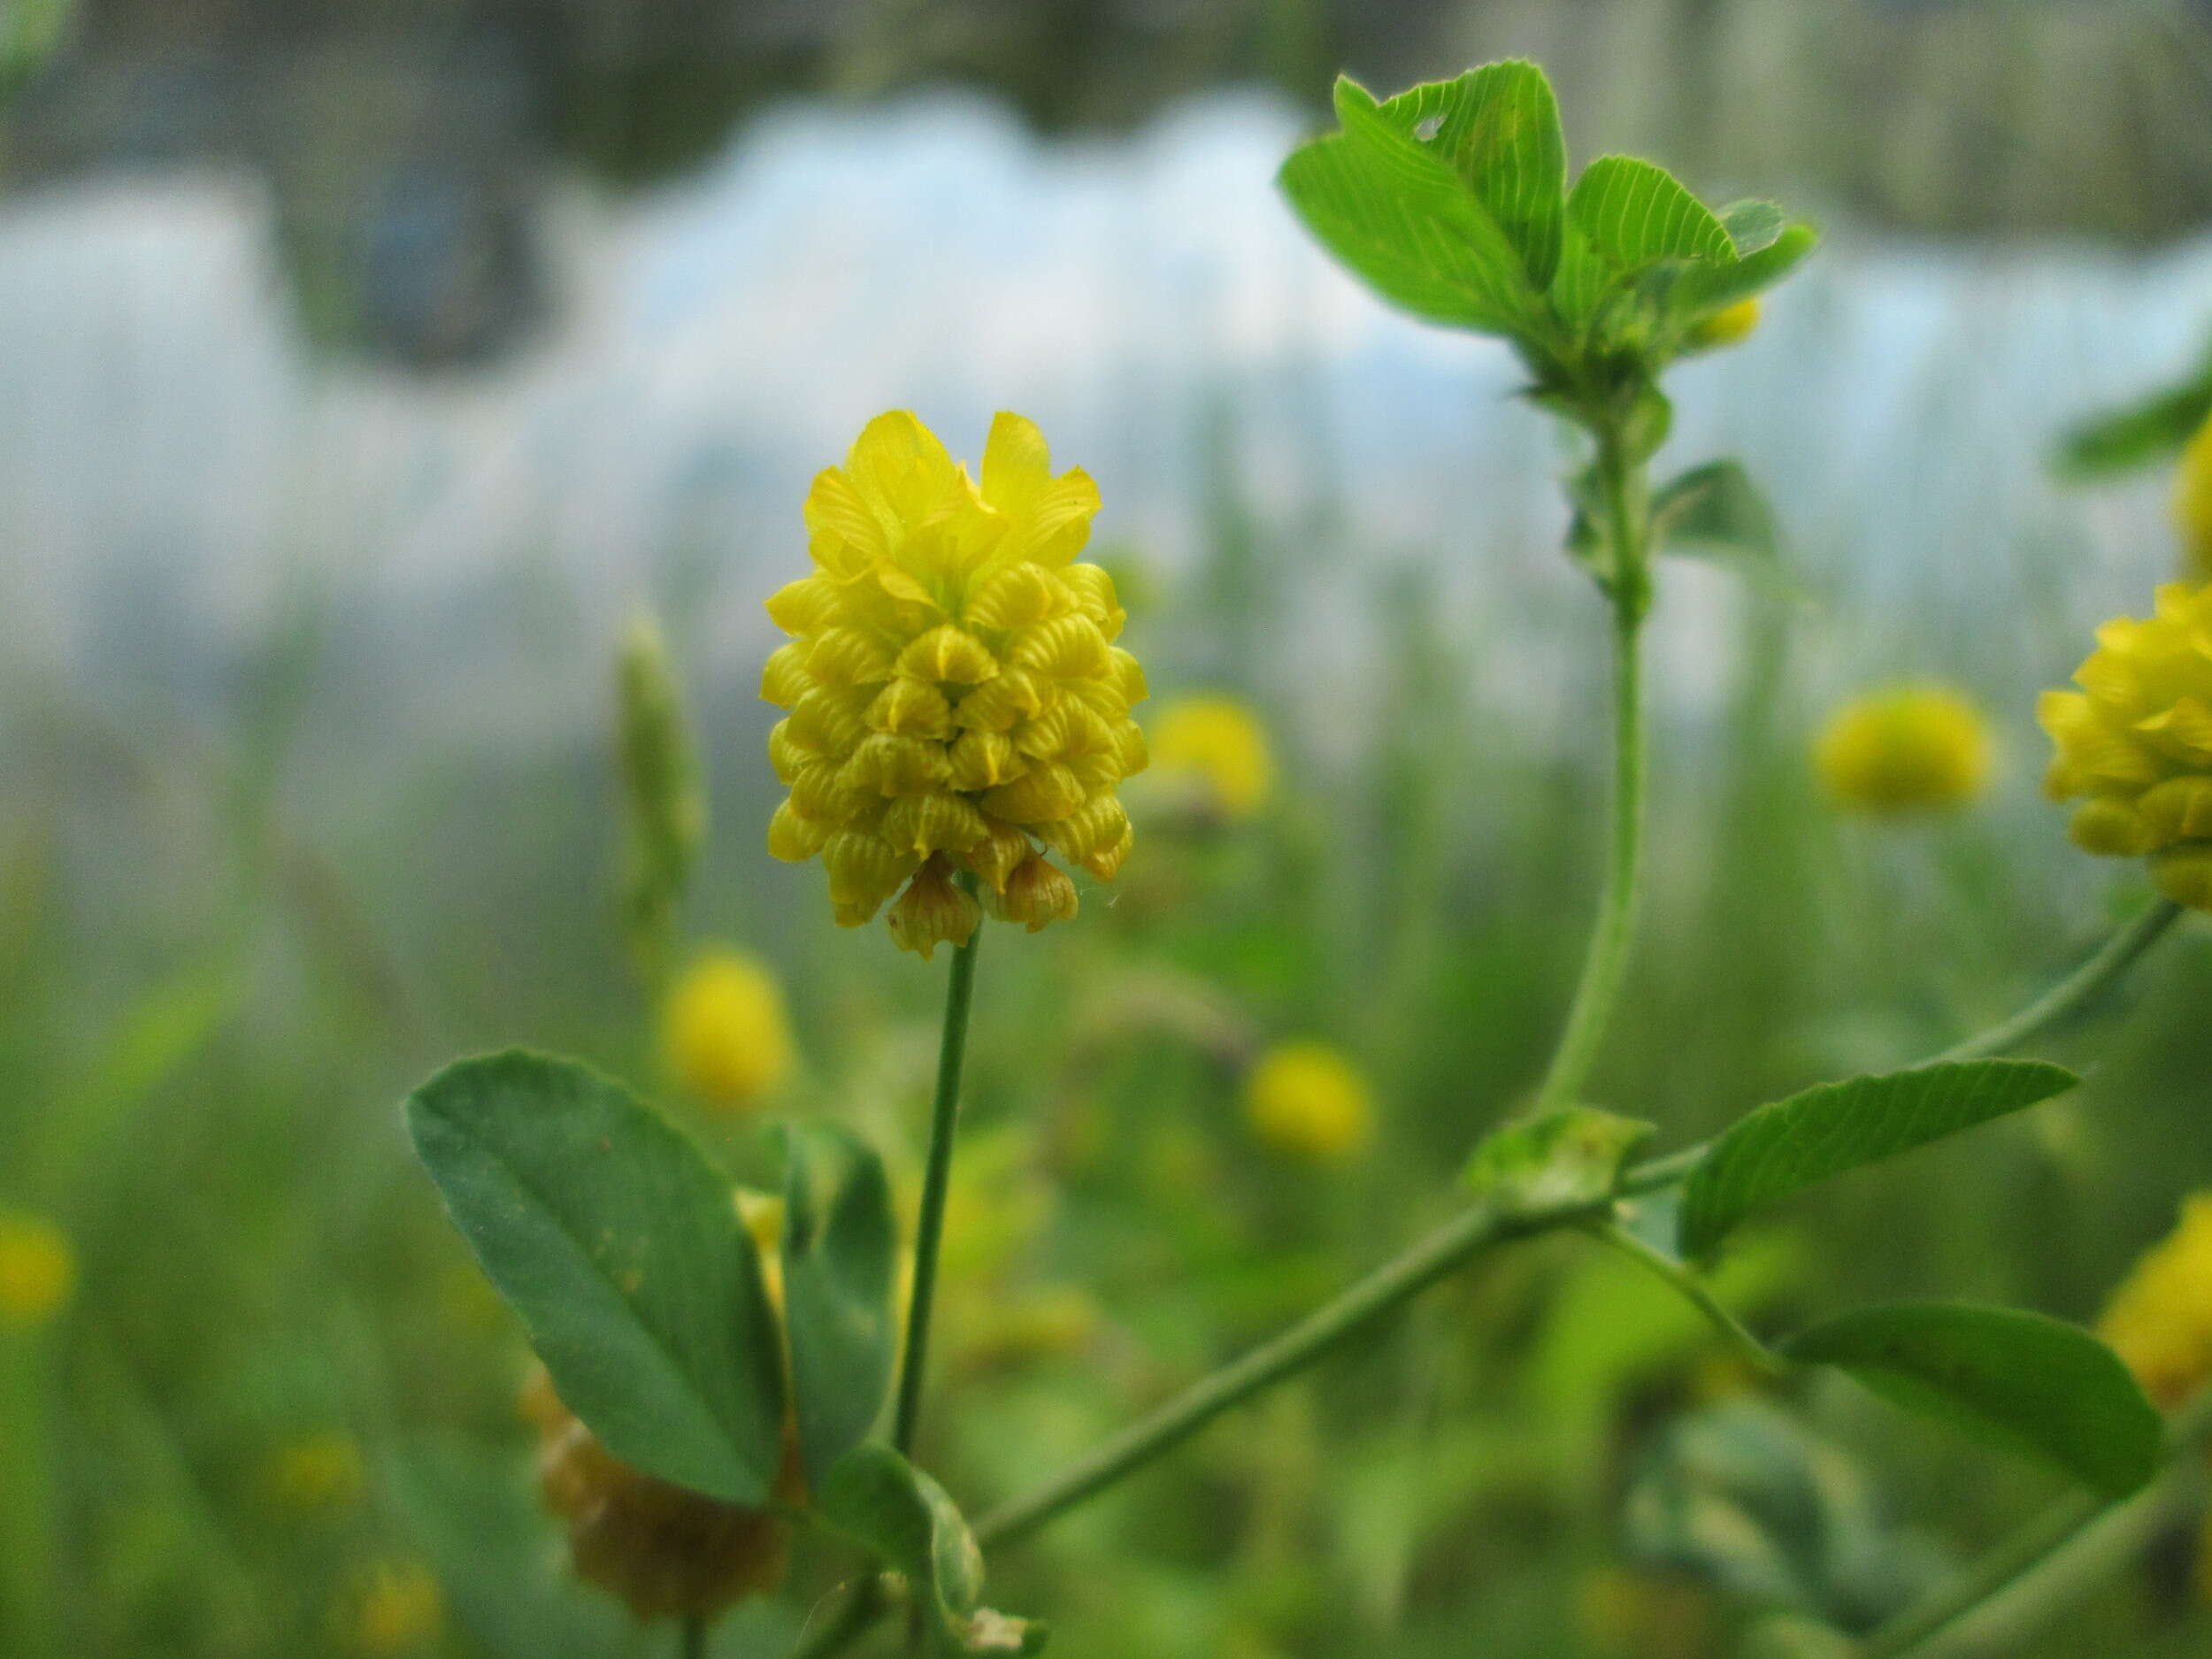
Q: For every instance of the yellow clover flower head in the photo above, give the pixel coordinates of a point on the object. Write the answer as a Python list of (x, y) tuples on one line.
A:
[(1217, 744), (957, 701), (2160, 1319), (725, 1032), (2136, 742), (2193, 505), (38, 1272), (1307, 1101), (1726, 325), (1904, 749)]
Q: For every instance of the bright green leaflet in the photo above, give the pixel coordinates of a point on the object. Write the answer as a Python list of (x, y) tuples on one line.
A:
[(1498, 126), (615, 1241), (838, 1243), (1790, 1144), (2018, 1380)]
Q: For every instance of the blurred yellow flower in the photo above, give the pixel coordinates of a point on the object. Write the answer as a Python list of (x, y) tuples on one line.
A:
[(955, 696), (317, 1474), (2160, 1319), (2193, 505), (1727, 325), (38, 1270), (1905, 748), (1217, 744), (396, 1607), (724, 1031), (1306, 1100), (667, 1551), (2135, 739)]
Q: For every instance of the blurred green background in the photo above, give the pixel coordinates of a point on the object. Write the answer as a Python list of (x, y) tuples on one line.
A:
[(368, 365)]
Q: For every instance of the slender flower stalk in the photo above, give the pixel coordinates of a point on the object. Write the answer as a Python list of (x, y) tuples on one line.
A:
[(691, 1640), (944, 1119)]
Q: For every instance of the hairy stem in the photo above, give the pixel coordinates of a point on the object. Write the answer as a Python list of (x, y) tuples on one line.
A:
[(930, 1228), (1628, 508)]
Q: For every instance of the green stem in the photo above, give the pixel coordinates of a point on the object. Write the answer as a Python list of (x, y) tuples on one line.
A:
[(1381, 1291), (1997, 1603), (1690, 1287), (691, 1637), (1603, 967), (929, 1229)]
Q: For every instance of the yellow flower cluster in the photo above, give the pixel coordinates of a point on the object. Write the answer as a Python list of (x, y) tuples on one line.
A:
[(2135, 739), (666, 1551), (1726, 325), (2160, 1319), (38, 1272), (2193, 505), (1907, 749), (1307, 1101), (955, 696), (1217, 744), (724, 1029)]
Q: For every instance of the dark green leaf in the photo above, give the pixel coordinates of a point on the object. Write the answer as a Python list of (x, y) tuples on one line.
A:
[(1636, 214), (1716, 509), (2016, 1379), (1498, 126), (619, 1244), (1565, 1158), (839, 1247), (889, 1507), (1398, 217), (2151, 430), (1790, 1144)]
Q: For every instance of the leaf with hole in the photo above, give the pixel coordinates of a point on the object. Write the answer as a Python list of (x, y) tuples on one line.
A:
[(839, 1249), (1498, 127), (2016, 1380), (619, 1244), (1788, 1145)]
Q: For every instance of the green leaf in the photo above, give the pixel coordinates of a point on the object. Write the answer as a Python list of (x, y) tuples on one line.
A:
[(2018, 1380), (1565, 1158), (1498, 126), (1752, 226), (1701, 289), (839, 1247), (2124, 439), (1716, 509), (619, 1244), (1790, 1144), (1402, 220), (1636, 213), (892, 1509)]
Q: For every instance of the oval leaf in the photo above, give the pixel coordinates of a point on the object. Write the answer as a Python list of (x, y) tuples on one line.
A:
[(897, 1513), (1498, 126), (1636, 213), (619, 1244), (1790, 1144), (2016, 1379), (839, 1246)]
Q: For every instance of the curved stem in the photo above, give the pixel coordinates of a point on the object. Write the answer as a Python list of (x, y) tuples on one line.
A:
[(2074, 992), (929, 1229), (1383, 1289), (1693, 1288), (1603, 968), (1996, 1603)]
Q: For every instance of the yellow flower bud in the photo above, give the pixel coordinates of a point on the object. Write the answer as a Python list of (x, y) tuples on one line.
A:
[(1726, 325), (318, 1474), (2160, 1319), (1035, 894), (724, 1031), (2136, 742), (2193, 505), (1308, 1100), (1909, 748), (38, 1272), (393, 1608), (1216, 746), (955, 696), (934, 909), (665, 1550)]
